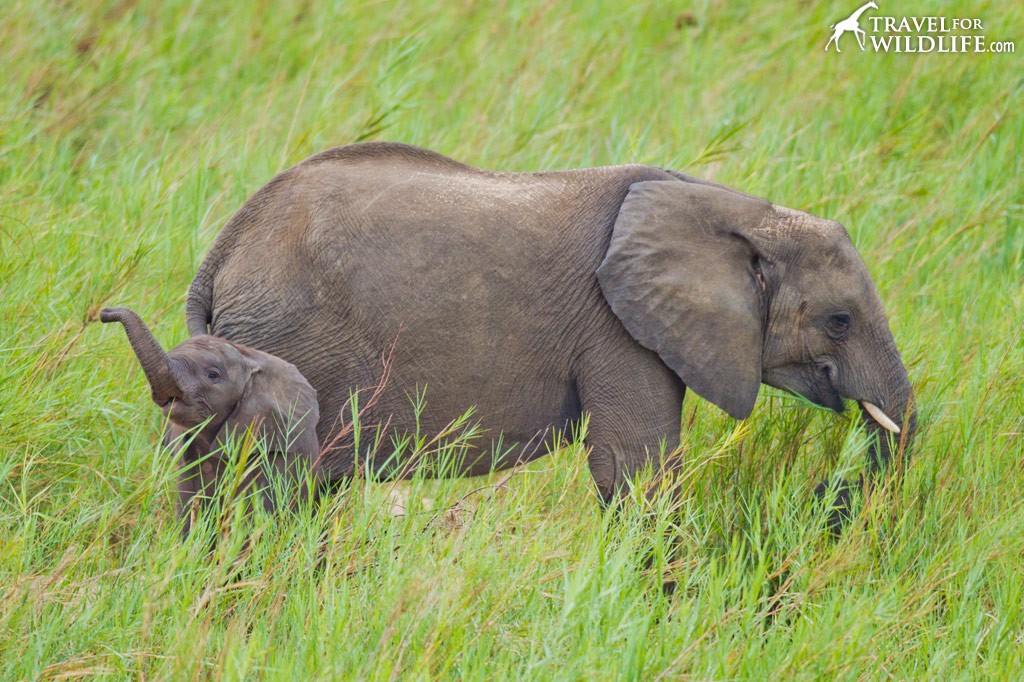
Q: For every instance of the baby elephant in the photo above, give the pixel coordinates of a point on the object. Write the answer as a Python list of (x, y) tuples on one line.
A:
[(232, 389)]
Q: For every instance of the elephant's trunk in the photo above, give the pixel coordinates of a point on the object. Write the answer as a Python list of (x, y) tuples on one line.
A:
[(151, 356), (895, 424)]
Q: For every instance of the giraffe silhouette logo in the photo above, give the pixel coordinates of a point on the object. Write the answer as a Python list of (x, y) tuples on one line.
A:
[(850, 24)]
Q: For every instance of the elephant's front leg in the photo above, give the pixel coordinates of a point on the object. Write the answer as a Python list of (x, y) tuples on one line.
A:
[(635, 405), (198, 472)]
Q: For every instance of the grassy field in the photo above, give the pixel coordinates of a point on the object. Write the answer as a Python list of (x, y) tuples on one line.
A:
[(129, 133)]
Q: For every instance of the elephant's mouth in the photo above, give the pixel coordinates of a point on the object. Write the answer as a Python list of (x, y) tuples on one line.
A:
[(814, 381), (175, 408), (187, 413), (823, 388)]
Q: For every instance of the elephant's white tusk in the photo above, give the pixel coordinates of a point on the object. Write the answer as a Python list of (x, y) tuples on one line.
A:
[(880, 417)]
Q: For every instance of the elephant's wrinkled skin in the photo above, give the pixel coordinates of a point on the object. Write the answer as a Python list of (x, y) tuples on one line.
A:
[(536, 297)]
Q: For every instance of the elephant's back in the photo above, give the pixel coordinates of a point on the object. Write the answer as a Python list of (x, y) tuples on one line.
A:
[(425, 208), (381, 191), (412, 239)]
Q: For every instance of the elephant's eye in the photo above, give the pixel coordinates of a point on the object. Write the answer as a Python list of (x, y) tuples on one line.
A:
[(213, 375), (839, 325)]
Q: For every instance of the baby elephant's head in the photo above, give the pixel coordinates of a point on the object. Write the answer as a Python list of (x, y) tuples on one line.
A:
[(211, 376), (208, 379)]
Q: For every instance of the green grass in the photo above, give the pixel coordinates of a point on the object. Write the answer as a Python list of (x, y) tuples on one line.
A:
[(129, 132)]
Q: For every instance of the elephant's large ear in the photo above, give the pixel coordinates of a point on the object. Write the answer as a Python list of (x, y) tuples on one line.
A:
[(279, 404), (681, 273)]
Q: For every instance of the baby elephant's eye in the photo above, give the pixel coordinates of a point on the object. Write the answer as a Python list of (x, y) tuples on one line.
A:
[(839, 325), (213, 375)]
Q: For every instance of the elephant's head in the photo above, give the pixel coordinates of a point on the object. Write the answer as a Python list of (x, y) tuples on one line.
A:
[(232, 386), (732, 291)]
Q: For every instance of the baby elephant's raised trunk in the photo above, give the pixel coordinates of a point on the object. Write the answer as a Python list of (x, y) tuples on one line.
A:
[(151, 356)]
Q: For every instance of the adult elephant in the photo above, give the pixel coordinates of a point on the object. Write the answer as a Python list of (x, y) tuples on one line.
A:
[(537, 297)]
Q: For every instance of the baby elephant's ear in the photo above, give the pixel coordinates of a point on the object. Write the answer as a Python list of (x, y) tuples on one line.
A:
[(681, 274), (279, 404)]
